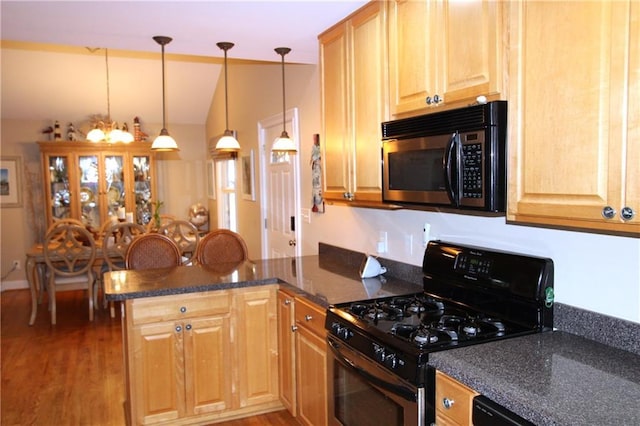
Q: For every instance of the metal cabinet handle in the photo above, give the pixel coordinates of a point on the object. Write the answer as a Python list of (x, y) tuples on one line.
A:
[(608, 212), (308, 317), (183, 309), (287, 301), (294, 328), (178, 329), (188, 327), (447, 403), (627, 213)]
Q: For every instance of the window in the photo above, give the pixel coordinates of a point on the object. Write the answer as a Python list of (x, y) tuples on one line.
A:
[(227, 211)]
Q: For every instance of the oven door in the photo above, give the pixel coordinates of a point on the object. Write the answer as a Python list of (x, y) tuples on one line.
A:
[(362, 393)]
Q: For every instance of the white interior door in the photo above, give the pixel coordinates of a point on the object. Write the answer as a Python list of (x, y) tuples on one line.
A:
[(280, 189)]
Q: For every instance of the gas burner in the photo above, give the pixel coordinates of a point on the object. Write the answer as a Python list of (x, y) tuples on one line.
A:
[(424, 336)]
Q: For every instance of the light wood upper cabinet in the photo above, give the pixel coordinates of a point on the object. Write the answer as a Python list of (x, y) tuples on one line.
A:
[(353, 61), (90, 181), (574, 145), (444, 54)]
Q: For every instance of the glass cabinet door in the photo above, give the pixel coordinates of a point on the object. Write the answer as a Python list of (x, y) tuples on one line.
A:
[(60, 193), (142, 188), (89, 190), (114, 184)]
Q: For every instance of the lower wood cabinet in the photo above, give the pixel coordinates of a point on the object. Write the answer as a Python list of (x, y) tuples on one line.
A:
[(303, 359), (200, 357), (454, 401)]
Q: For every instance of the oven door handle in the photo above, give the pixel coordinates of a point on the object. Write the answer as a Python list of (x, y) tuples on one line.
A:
[(399, 390)]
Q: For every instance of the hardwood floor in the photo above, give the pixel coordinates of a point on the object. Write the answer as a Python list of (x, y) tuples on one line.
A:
[(71, 373)]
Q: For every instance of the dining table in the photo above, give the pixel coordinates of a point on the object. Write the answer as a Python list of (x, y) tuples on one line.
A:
[(35, 269)]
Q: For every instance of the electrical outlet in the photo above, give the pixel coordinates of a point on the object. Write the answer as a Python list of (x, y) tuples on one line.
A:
[(16, 264)]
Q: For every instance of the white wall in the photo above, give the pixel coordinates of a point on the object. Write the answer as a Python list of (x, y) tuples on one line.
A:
[(595, 272)]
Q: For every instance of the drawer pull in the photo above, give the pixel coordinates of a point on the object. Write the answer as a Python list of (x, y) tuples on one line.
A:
[(308, 317), (287, 301), (294, 328), (447, 403), (183, 309), (178, 329)]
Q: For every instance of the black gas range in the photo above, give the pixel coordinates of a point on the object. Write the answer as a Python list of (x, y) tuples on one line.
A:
[(471, 295)]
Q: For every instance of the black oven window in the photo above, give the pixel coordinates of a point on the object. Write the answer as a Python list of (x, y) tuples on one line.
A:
[(357, 403), (419, 170)]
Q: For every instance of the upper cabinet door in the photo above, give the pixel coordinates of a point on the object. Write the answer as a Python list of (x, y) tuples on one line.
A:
[(413, 39), (473, 59), (445, 53), (353, 57), (573, 114)]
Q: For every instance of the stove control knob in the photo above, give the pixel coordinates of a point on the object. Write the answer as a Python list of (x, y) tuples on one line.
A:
[(378, 353), (391, 361), (345, 334)]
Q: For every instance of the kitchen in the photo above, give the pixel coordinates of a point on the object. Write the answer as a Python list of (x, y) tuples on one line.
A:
[(612, 288)]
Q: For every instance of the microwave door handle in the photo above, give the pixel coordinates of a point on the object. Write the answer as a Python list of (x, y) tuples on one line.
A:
[(447, 166)]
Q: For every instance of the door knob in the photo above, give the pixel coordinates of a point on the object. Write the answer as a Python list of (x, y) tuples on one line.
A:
[(292, 242)]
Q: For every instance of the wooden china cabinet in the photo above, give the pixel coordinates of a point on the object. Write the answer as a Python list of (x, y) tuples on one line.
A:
[(91, 181)]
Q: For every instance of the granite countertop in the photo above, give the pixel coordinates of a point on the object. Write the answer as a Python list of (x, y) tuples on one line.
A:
[(323, 279), (551, 378)]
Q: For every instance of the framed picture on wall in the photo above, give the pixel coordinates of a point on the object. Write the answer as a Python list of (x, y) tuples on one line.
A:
[(248, 177), (10, 182), (211, 180)]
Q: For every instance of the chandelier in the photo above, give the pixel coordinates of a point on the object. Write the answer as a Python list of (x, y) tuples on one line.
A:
[(106, 130)]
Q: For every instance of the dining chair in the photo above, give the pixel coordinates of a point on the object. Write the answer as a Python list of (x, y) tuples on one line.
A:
[(69, 253), (151, 251), (115, 244), (185, 235), (221, 246)]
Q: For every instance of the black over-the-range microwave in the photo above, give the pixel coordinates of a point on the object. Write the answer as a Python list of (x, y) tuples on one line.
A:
[(455, 158)]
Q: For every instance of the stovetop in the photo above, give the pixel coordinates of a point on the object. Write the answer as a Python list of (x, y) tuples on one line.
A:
[(471, 295)]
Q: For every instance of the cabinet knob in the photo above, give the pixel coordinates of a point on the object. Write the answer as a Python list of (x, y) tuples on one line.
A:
[(188, 327), (608, 212), (183, 309), (178, 329), (308, 317), (348, 196), (627, 213), (287, 301), (447, 403), (294, 328)]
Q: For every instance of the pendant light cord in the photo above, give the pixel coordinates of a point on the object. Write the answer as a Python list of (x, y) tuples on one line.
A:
[(106, 60), (284, 117), (226, 98), (164, 126)]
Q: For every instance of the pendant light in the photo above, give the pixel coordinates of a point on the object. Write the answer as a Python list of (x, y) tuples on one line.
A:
[(284, 142), (227, 142), (108, 131), (164, 142)]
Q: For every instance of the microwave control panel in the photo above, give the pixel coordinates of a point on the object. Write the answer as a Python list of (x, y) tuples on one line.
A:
[(472, 170)]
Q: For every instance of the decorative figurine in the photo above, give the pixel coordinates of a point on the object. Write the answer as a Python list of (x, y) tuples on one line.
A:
[(57, 134), (138, 134), (71, 132)]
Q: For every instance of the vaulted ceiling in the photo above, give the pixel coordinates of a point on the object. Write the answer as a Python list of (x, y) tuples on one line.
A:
[(48, 72)]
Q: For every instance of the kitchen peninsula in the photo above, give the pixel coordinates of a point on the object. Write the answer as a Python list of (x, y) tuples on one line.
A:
[(201, 343), (549, 378)]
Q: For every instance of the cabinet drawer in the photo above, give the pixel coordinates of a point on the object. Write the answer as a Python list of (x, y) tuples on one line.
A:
[(179, 306), (311, 316), (459, 399)]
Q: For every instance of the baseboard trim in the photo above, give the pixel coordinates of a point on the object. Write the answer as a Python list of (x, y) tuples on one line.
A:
[(13, 285)]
